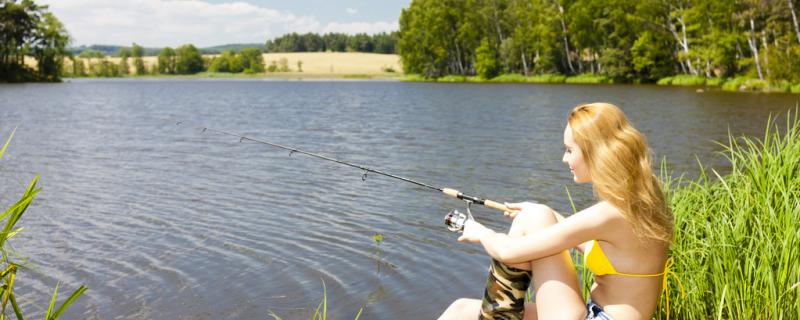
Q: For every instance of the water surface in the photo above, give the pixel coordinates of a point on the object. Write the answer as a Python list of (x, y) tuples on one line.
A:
[(167, 222)]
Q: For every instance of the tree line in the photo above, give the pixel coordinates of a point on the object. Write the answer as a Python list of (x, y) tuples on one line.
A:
[(336, 42), (184, 60), (28, 29), (625, 40)]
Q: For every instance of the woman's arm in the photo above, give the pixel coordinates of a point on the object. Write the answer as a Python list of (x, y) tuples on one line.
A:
[(583, 226)]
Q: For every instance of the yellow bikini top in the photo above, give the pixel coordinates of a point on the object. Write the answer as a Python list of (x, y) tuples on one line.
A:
[(596, 260)]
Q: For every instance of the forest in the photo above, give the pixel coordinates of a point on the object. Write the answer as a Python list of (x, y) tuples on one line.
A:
[(629, 41)]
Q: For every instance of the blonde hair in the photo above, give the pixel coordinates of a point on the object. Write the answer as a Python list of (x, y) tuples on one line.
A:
[(619, 164)]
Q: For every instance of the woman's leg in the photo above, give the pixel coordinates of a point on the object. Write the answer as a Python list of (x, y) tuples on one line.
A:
[(558, 295)]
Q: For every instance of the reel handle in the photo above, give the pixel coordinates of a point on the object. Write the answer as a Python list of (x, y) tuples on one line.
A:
[(486, 203)]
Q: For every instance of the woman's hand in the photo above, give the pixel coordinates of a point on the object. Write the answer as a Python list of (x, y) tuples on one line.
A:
[(473, 232), (516, 208)]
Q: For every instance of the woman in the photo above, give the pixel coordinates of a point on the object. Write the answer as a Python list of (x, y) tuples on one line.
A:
[(624, 237)]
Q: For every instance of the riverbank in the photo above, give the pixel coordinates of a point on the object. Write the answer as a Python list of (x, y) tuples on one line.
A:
[(738, 84)]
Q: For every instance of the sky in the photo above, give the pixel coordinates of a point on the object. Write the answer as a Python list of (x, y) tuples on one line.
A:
[(205, 23)]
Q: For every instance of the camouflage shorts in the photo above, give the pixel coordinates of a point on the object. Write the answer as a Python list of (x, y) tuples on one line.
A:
[(504, 297)]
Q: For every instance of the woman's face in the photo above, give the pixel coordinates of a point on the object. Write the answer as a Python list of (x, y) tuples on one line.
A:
[(573, 157)]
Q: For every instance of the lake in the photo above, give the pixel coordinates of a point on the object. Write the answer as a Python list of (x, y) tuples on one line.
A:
[(169, 222)]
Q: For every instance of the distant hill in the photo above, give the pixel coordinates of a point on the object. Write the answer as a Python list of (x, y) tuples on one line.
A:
[(111, 50), (235, 47)]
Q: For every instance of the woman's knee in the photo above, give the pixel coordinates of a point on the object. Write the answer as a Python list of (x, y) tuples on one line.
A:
[(532, 218)]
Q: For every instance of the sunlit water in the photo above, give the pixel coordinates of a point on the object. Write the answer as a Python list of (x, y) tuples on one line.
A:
[(167, 222)]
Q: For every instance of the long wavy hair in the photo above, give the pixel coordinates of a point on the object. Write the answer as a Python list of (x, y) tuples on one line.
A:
[(620, 167)]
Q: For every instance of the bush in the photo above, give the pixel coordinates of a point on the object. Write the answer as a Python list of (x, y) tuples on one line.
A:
[(795, 88)]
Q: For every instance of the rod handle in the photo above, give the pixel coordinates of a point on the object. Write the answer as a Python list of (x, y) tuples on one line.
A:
[(451, 192), (495, 205), (486, 203)]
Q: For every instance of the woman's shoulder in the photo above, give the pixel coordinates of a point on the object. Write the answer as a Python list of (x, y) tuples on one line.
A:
[(606, 211)]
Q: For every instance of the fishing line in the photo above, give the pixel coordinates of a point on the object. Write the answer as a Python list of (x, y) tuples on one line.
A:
[(454, 217)]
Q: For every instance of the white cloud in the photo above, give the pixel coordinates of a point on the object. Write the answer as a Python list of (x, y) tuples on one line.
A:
[(172, 23), (351, 10), (361, 27)]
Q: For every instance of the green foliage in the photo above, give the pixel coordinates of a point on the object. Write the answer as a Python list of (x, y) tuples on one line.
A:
[(167, 63), (688, 80), (486, 63), (624, 40), (752, 84), (252, 61), (137, 52), (588, 78), (28, 29), (413, 77), (188, 60), (736, 236), (9, 219), (513, 77), (651, 57), (664, 81), (548, 78)]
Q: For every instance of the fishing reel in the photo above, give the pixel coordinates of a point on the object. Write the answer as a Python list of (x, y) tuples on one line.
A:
[(455, 220)]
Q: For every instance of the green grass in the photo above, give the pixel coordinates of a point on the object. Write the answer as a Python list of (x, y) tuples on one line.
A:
[(548, 78), (588, 78), (688, 80), (509, 77), (452, 78), (737, 243), (755, 85)]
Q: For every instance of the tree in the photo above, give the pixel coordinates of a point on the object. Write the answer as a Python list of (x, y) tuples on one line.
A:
[(166, 61), (252, 60), (486, 60), (188, 60), (138, 64), (124, 54), (29, 29)]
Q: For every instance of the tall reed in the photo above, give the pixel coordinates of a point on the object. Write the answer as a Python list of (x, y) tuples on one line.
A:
[(737, 241), (8, 276)]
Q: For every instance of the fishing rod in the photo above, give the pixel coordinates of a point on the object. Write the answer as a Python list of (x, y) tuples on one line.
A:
[(455, 220)]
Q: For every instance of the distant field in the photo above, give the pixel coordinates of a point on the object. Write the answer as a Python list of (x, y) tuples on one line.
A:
[(316, 64)]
